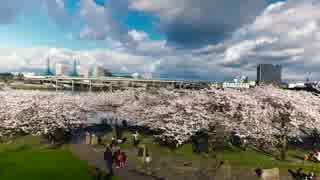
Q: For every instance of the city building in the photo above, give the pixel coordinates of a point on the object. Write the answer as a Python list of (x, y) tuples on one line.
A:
[(83, 71), (237, 85), (98, 71), (240, 82), (269, 74), (62, 69)]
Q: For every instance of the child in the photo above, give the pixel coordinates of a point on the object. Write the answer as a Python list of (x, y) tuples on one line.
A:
[(122, 159), (118, 158)]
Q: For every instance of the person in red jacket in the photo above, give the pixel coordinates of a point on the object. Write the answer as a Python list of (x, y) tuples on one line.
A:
[(117, 158), (122, 159)]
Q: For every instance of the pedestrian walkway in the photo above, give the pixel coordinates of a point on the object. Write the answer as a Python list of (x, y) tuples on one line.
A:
[(95, 159)]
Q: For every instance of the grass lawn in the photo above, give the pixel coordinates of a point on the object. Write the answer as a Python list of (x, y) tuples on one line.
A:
[(26, 158)]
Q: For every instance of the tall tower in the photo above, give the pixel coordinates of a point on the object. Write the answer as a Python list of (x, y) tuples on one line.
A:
[(74, 69), (48, 70)]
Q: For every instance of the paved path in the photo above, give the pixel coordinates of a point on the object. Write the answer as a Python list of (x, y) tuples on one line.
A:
[(95, 159)]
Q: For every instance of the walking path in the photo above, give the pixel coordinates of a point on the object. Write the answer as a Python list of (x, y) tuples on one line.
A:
[(95, 159)]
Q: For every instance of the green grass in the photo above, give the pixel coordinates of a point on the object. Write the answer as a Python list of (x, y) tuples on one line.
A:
[(26, 158)]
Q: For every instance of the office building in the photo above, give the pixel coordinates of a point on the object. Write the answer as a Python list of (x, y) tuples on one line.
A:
[(269, 74), (83, 71), (98, 71), (62, 69)]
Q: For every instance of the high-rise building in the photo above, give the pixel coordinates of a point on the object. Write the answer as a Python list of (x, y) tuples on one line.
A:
[(83, 71), (62, 69), (269, 74), (98, 71)]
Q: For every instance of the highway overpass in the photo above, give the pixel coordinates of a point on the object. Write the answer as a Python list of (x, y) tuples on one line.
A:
[(112, 83)]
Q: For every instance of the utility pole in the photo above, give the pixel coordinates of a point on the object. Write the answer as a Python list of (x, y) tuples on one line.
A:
[(90, 86), (56, 84), (72, 85)]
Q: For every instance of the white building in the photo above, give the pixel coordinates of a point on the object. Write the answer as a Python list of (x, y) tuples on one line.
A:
[(98, 71), (62, 69), (237, 85), (83, 71), (296, 85)]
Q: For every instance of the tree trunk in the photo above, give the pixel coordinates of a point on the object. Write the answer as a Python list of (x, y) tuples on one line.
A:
[(284, 148)]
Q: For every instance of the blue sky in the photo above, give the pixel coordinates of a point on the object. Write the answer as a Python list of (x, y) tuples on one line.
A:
[(35, 28), (211, 39)]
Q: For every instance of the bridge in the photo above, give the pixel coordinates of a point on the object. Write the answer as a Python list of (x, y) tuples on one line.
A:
[(112, 83)]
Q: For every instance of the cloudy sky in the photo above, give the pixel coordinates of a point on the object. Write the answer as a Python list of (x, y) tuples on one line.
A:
[(177, 39)]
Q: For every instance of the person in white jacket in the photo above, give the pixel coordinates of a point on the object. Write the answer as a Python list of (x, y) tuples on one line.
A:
[(317, 156)]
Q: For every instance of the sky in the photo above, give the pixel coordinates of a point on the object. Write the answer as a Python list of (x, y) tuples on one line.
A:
[(180, 39)]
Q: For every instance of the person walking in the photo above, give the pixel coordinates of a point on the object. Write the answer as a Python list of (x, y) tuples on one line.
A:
[(136, 139), (147, 162), (113, 141), (109, 159)]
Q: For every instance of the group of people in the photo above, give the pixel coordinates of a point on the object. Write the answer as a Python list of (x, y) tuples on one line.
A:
[(114, 156)]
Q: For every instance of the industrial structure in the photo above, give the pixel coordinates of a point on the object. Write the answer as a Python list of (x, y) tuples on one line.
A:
[(74, 69), (269, 74), (48, 70)]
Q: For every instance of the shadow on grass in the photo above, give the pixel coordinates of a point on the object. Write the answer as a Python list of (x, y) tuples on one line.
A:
[(18, 148)]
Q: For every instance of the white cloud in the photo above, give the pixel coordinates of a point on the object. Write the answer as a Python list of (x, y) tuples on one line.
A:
[(174, 65), (294, 25), (285, 33), (35, 58), (138, 35), (194, 22), (236, 52), (100, 21)]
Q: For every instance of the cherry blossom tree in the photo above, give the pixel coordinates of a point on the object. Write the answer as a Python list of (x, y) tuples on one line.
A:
[(263, 115)]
